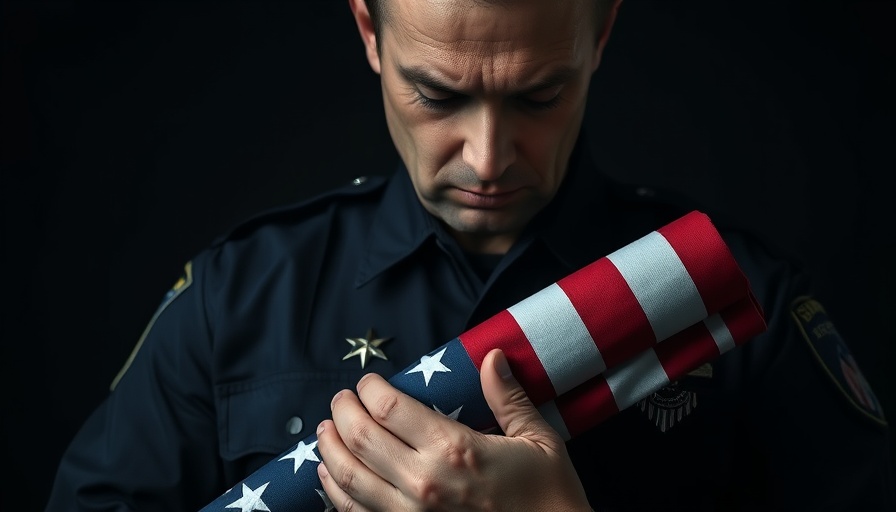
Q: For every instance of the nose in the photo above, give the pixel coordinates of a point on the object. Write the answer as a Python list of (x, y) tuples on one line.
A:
[(488, 145)]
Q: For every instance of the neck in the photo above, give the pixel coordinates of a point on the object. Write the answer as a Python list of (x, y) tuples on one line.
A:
[(484, 243)]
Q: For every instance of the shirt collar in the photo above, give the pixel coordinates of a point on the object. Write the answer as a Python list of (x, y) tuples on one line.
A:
[(400, 225), (577, 226), (571, 226)]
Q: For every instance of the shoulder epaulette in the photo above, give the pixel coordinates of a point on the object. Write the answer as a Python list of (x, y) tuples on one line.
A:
[(360, 186), (673, 201), (668, 204), (649, 206)]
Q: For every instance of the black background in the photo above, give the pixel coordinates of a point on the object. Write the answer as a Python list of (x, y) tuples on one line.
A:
[(133, 133)]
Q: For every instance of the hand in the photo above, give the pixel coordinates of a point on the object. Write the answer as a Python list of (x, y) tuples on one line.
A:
[(383, 450)]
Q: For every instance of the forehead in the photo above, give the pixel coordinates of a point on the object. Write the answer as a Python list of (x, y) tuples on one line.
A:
[(482, 43)]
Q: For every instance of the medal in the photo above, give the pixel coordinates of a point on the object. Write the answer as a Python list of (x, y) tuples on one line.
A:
[(668, 406)]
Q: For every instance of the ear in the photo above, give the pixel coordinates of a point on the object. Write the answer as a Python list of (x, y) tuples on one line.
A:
[(368, 35), (605, 35)]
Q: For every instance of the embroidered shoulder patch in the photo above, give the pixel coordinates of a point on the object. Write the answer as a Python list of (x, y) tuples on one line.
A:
[(834, 357), (182, 283)]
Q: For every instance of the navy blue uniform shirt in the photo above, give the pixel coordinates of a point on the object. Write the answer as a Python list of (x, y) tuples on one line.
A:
[(245, 353)]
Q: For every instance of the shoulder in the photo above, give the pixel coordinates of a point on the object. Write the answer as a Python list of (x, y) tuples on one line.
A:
[(351, 201), (656, 205), (297, 235), (770, 267)]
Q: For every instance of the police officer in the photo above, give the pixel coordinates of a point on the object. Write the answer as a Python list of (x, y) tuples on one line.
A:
[(285, 326)]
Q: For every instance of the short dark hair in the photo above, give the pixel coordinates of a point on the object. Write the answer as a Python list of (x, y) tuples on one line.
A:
[(379, 14)]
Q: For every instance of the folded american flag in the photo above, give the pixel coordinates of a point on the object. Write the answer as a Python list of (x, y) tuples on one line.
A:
[(583, 348)]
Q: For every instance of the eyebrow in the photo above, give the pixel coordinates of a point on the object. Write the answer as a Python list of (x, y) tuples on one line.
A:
[(421, 76)]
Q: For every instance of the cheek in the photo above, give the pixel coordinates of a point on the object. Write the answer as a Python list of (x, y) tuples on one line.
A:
[(415, 129), (403, 132), (542, 144), (437, 141), (433, 154), (434, 145), (545, 145), (422, 147)]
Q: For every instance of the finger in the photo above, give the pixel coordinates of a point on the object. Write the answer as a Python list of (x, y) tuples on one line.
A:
[(415, 430), (345, 478), (336, 496), (367, 439), (375, 447), (516, 414), (415, 423)]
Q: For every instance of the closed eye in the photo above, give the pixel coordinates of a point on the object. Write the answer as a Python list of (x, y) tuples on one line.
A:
[(543, 98), (435, 98)]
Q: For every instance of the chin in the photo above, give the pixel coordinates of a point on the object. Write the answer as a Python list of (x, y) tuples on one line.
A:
[(491, 224)]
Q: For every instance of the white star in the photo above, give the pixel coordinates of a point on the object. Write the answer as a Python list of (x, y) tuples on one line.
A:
[(301, 453), (452, 415), (327, 502), (430, 365), (251, 500)]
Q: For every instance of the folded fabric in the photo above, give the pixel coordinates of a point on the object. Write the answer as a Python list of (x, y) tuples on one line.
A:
[(592, 402), (583, 348)]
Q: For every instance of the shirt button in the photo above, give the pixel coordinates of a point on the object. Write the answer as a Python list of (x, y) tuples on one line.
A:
[(359, 180), (294, 425)]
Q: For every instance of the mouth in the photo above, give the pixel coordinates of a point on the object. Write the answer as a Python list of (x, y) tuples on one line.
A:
[(491, 200)]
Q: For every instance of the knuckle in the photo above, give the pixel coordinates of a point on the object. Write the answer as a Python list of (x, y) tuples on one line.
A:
[(359, 437), (427, 490), (345, 478), (518, 397), (460, 455), (435, 487), (386, 405)]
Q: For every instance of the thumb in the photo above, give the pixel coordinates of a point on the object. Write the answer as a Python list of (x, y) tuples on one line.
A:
[(516, 414)]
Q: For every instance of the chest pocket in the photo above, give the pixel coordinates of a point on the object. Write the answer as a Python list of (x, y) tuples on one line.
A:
[(268, 415)]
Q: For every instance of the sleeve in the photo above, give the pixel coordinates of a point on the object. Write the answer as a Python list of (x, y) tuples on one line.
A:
[(152, 443), (817, 431)]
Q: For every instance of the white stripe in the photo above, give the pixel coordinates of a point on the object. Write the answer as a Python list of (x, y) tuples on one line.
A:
[(559, 337), (552, 416), (661, 283), (720, 333), (637, 378)]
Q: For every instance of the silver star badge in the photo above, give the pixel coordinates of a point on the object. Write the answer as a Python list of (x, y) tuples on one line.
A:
[(366, 347)]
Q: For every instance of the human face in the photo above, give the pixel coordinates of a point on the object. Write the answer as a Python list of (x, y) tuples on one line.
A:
[(484, 103)]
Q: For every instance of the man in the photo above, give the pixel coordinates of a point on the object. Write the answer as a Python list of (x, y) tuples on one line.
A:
[(496, 198)]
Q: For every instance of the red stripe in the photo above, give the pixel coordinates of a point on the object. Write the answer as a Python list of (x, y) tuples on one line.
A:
[(586, 405), (686, 350), (718, 278), (502, 331), (744, 319), (609, 310), (589, 404)]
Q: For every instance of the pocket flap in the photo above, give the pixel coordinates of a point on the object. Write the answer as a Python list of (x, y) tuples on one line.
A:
[(270, 414)]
